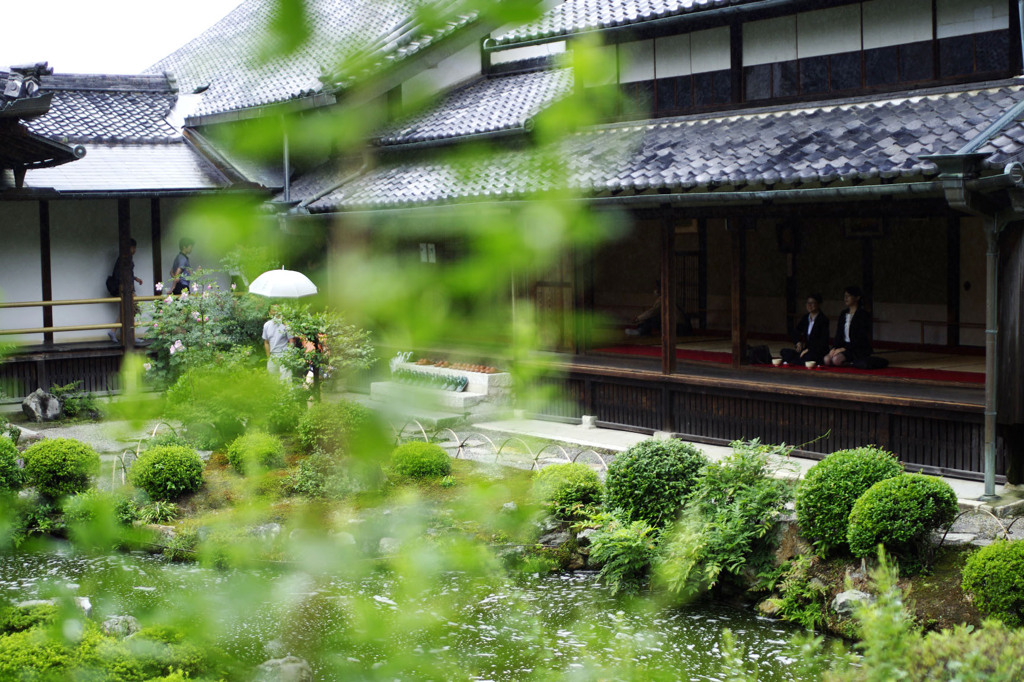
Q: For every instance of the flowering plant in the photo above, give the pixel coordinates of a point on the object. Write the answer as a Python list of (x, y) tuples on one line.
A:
[(194, 328), (329, 345)]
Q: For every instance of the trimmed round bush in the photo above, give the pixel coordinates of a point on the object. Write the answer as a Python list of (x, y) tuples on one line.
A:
[(994, 577), (167, 472), (12, 477), (254, 451), (651, 480), (899, 513), (565, 488), (827, 493), (421, 460), (329, 427), (60, 466)]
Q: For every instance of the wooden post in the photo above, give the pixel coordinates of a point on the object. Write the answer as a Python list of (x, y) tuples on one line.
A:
[(702, 272), (953, 281), (668, 295), (737, 229), (155, 238), (46, 274), (124, 235)]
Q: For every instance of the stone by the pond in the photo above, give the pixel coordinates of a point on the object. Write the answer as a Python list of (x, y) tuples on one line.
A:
[(770, 607), (788, 541), (554, 539), (956, 539), (389, 546), (287, 669), (343, 538), (268, 531), (845, 602), (510, 507), (120, 626), (41, 406)]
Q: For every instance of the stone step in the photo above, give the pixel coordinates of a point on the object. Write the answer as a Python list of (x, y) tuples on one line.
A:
[(426, 398)]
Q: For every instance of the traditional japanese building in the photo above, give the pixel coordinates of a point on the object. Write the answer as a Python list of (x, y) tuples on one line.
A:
[(760, 151)]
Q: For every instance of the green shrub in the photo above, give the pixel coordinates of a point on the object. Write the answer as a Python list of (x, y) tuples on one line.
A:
[(802, 598), (727, 523), (320, 476), (994, 577), (74, 402), (167, 472), (625, 553), (900, 513), (826, 495), (331, 426), (568, 489), (60, 466), (254, 451), (167, 438), (12, 477), (420, 460), (651, 480), (286, 411), (21, 618), (96, 518)]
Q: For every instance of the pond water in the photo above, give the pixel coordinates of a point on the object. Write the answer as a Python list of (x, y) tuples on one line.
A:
[(554, 626)]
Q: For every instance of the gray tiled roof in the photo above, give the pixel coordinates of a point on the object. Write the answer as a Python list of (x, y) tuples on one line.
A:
[(97, 108), (860, 140), (226, 56), (130, 168), (121, 122), (486, 105), (577, 16)]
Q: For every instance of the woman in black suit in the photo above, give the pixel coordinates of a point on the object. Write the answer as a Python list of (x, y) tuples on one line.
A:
[(853, 331), (810, 337)]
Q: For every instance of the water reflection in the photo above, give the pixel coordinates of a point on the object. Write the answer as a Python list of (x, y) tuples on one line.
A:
[(563, 625)]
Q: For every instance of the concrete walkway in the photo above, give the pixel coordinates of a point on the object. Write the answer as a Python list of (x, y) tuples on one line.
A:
[(1010, 502)]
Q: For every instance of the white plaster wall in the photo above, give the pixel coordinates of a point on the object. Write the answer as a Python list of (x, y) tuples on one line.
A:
[(894, 23), (672, 56), (636, 61), (529, 52), (828, 31), (607, 55), (770, 40), (459, 67), (962, 17), (205, 253), (709, 50), (20, 270), (83, 247)]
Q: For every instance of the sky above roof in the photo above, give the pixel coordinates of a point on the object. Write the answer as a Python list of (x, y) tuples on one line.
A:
[(106, 36)]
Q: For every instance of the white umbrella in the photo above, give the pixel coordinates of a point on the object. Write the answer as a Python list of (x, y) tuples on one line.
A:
[(282, 284)]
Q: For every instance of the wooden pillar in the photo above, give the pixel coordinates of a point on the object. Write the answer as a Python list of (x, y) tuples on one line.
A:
[(124, 235), (156, 238), (46, 273), (953, 281), (702, 272), (668, 295), (738, 232)]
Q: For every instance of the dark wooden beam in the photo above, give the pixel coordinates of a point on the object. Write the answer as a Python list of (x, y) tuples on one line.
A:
[(702, 272), (124, 235), (46, 273), (738, 232), (156, 238), (668, 295), (953, 281)]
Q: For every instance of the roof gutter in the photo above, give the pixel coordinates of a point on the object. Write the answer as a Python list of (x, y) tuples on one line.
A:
[(724, 13), (456, 139)]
